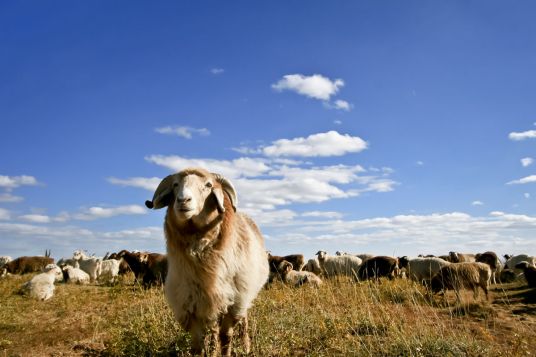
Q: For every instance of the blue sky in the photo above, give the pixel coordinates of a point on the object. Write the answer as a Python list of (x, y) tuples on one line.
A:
[(386, 127)]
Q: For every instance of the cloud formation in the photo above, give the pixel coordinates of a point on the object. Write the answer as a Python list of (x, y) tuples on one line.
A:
[(107, 212), (330, 143), (182, 131), (315, 86), (518, 136), (527, 161), (524, 180), (10, 182)]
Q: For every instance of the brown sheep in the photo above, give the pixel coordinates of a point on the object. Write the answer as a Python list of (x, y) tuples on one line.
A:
[(23, 265), (529, 271), (378, 266), (491, 259), (457, 276), (297, 261)]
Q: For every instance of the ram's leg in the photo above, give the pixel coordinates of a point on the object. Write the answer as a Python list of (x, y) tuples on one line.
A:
[(197, 330), (226, 333), (244, 334)]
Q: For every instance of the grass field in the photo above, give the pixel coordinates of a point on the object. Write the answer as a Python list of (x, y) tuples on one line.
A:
[(342, 318)]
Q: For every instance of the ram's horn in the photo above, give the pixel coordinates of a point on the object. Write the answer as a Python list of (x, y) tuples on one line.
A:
[(163, 194), (229, 188)]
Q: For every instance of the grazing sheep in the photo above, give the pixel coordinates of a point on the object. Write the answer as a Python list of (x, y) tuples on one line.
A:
[(462, 275), (461, 257), (491, 259), (90, 265), (313, 266), (421, 269), (333, 265), (41, 286), (377, 267), (529, 271), (23, 265), (72, 275), (297, 278), (217, 262), (297, 261)]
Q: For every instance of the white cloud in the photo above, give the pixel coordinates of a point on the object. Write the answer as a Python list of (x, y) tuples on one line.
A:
[(339, 104), (527, 161), (524, 180), (337, 122), (323, 214), (4, 214), (315, 86), (242, 167), (419, 163), (147, 183), (330, 143), (105, 212), (35, 218), (183, 131), (8, 197), (526, 195), (217, 71), (11, 182), (477, 203), (517, 136)]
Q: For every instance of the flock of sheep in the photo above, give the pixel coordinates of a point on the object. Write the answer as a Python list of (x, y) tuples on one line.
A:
[(216, 263)]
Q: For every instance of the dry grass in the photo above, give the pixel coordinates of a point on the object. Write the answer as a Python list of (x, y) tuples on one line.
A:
[(393, 318)]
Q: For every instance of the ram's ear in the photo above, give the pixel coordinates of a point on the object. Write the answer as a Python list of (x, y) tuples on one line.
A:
[(229, 188), (219, 196), (163, 195)]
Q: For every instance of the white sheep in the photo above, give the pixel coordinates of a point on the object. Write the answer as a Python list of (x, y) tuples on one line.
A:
[(41, 286), (332, 265), (90, 265), (421, 269), (217, 262), (297, 278), (59, 275), (72, 275), (511, 262), (313, 266), (109, 270)]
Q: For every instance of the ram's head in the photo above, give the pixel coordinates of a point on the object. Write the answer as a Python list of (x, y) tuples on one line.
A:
[(193, 192)]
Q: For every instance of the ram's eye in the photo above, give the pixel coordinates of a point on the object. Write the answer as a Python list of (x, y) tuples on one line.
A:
[(208, 184), (175, 184)]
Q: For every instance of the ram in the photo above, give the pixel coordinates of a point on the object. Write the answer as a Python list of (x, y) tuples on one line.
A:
[(217, 262)]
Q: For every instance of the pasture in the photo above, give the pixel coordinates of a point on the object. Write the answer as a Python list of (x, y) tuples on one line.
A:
[(341, 318)]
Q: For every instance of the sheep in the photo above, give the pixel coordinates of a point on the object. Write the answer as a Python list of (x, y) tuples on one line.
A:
[(68, 261), (332, 265), (421, 269), (153, 268), (378, 266), (461, 257), (456, 276), (90, 265), (72, 275), (59, 275), (4, 259), (529, 271), (512, 261), (297, 261), (41, 286), (109, 270), (297, 278), (123, 265), (23, 265), (313, 266), (491, 259), (217, 262), (362, 256)]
